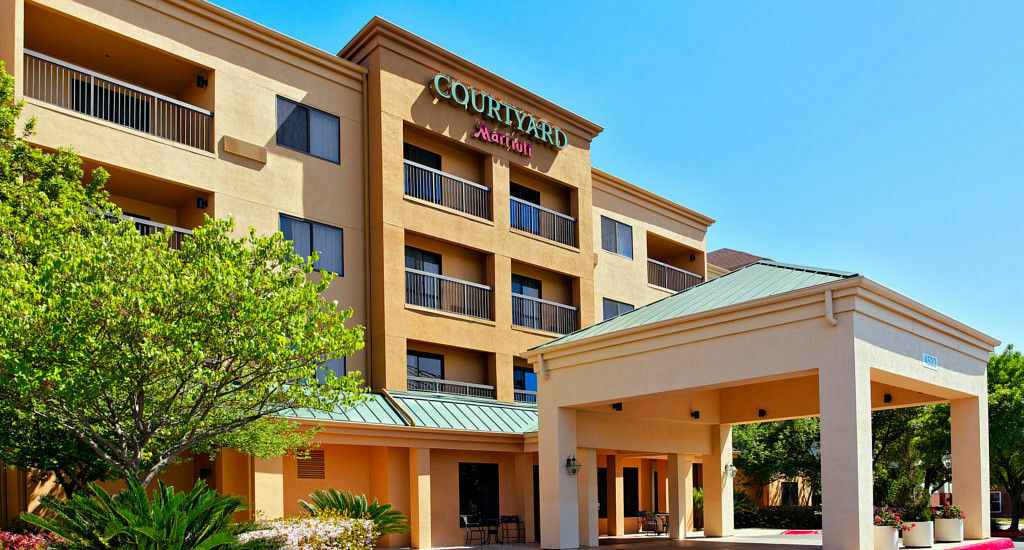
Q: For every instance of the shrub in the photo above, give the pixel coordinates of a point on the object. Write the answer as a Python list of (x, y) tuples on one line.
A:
[(96, 520), (385, 518), (328, 531), (888, 517), (949, 511), (28, 541), (780, 517)]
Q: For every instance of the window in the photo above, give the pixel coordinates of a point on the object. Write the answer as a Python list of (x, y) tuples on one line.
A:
[(308, 130), (424, 365), (422, 290), (613, 308), (630, 492), (420, 155), (525, 217), (525, 286), (523, 378), (996, 502), (422, 260), (602, 492), (308, 237), (524, 193), (790, 493), (337, 366), (478, 490), (616, 237)]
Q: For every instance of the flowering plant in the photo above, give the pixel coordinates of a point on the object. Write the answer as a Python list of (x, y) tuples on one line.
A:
[(887, 517), (949, 511), (29, 541), (324, 532)]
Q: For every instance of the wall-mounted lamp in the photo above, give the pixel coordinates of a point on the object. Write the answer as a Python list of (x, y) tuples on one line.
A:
[(887, 398), (572, 466), (761, 413), (947, 460), (816, 449), (693, 257), (201, 202), (201, 81), (616, 406), (695, 415), (730, 470)]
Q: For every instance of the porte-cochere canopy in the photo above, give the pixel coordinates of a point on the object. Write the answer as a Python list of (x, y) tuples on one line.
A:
[(769, 341)]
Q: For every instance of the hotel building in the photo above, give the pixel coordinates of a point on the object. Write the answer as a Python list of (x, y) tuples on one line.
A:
[(457, 249), (473, 238)]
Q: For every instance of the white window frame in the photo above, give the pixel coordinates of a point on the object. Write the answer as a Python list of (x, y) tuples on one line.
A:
[(999, 502)]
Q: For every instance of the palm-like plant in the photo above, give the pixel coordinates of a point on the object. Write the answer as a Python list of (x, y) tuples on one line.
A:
[(94, 519), (386, 519)]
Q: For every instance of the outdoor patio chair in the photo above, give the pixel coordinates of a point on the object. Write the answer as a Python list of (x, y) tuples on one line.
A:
[(474, 529), (512, 530)]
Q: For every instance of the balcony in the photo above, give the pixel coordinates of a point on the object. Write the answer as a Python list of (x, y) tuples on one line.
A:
[(543, 315), (435, 385), (146, 227), (525, 396), (434, 291), (446, 190), (78, 89), (543, 222), (669, 277)]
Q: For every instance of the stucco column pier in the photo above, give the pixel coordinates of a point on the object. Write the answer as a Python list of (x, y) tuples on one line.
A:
[(718, 483), (615, 498), (845, 395), (419, 497), (680, 495), (969, 436), (268, 486), (559, 494), (587, 483)]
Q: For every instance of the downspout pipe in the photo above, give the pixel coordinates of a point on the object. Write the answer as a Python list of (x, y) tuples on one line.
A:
[(830, 314)]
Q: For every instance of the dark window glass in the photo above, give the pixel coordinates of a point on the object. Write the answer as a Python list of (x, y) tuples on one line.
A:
[(602, 492), (613, 308), (630, 492), (996, 502), (309, 236), (420, 155), (337, 366), (654, 477), (478, 490), (308, 130), (616, 237), (523, 378), (422, 260), (424, 365), (524, 193), (526, 286), (790, 493)]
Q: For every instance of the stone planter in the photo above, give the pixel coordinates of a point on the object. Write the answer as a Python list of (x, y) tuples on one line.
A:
[(921, 535), (949, 530), (886, 538)]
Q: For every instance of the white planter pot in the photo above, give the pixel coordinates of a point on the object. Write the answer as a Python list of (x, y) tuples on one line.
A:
[(949, 530), (921, 535), (886, 538)]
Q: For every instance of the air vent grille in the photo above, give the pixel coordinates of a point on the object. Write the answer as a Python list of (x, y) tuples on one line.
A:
[(312, 467)]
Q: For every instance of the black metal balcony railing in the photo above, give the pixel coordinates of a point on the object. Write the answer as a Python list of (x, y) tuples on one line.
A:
[(441, 188), (447, 294), (542, 222), (670, 277), (78, 89), (543, 315), (437, 385), (525, 396)]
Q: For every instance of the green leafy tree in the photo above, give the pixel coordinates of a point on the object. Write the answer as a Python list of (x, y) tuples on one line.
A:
[(1006, 424), (773, 451), (146, 352)]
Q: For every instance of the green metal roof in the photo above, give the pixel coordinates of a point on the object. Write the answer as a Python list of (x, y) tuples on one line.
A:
[(450, 412), (375, 410), (757, 280), (430, 410)]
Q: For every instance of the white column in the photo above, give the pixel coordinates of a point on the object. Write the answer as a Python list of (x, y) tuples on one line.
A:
[(419, 497), (718, 520), (268, 486), (969, 434), (845, 396), (559, 505), (587, 486), (680, 495)]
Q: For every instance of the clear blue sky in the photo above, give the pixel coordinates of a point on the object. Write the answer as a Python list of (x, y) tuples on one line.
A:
[(883, 138)]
